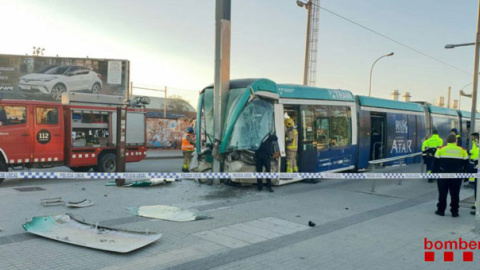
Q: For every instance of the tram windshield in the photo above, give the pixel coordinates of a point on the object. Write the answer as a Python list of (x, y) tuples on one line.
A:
[(207, 116), (253, 124)]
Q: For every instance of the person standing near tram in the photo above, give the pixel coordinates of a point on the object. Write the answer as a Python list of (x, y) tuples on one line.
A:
[(429, 147), (459, 139), (449, 159), (263, 156), (187, 148), (291, 140)]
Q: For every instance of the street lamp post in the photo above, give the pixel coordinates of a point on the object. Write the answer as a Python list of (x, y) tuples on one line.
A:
[(474, 102), (307, 5), (371, 70), (474, 109)]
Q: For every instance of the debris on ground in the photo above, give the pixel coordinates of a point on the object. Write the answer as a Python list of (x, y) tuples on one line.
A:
[(80, 204), (168, 213), (52, 201), (140, 183), (67, 229), (311, 223)]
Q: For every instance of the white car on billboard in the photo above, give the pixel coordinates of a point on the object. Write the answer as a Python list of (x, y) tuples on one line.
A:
[(55, 80)]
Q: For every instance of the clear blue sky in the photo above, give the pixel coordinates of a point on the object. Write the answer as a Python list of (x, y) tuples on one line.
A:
[(172, 42)]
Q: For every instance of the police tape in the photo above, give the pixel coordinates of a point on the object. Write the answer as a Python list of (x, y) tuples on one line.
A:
[(225, 175)]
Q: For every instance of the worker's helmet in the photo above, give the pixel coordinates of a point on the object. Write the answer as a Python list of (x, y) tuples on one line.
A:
[(190, 130), (289, 122)]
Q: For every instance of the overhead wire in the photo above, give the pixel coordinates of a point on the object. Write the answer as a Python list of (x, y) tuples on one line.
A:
[(393, 40)]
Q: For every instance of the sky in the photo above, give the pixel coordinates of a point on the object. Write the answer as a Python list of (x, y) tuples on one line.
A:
[(172, 43)]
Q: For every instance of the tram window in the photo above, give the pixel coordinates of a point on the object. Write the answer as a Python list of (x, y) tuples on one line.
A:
[(340, 119), (13, 115), (308, 120), (443, 125), (322, 132)]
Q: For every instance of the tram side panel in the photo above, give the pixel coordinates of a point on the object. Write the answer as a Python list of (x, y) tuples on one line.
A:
[(385, 134)]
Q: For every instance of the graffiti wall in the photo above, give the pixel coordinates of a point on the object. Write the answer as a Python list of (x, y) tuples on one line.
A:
[(166, 133)]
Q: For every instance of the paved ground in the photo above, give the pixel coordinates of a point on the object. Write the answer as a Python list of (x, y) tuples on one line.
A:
[(355, 229)]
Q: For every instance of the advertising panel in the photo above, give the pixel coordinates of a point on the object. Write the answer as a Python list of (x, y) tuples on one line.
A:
[(399, 141), (45, 78), (166, 133)]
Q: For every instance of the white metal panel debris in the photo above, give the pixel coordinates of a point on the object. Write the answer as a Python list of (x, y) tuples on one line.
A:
[(168, 213), (66, 229)]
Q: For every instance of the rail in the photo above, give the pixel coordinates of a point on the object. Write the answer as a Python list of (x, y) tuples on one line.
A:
[(385, 160)]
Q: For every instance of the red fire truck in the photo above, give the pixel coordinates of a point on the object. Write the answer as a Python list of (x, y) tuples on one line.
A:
[(79, 133)]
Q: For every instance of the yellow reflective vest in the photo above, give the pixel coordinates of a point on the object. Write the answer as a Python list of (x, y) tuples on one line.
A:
[(433, 142), (450, 159)]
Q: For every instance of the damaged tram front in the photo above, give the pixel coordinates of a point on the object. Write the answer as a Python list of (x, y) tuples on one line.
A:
[(259, 107)]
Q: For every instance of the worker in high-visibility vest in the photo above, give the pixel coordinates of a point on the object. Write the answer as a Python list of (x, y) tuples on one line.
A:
[(291, 140), (429, 147), (187, 148), (474, 165), (449, 159)]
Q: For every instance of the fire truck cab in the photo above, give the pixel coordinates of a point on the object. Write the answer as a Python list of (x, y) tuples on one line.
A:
[(80, 133)]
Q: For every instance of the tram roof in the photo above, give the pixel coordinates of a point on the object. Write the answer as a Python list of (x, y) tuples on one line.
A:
[(442, 110), (262, 84), (390, 104), (308, 92), (467, 114)]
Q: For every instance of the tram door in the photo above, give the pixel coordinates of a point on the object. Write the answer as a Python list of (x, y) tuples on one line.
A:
[(307, 150), (378, 142)]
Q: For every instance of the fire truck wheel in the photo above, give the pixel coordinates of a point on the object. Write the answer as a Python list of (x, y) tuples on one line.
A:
[(107, 163), (81, 169), (3, 168), (57, 91)]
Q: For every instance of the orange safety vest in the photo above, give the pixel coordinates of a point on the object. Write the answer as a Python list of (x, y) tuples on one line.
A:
[(186, 145)]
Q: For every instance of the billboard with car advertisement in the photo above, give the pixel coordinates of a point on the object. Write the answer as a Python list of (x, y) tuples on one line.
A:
[(45, 78)]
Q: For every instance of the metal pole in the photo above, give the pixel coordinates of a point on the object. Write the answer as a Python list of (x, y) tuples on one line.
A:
[(130, 92), (474, 109), (307, 44), (165, 104), (121, 138), (222, 74)]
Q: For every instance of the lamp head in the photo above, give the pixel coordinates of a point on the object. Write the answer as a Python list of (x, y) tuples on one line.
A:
[(301, 4), (391, 54)]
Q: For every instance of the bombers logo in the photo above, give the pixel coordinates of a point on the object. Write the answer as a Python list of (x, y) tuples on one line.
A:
[(466, 247)]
